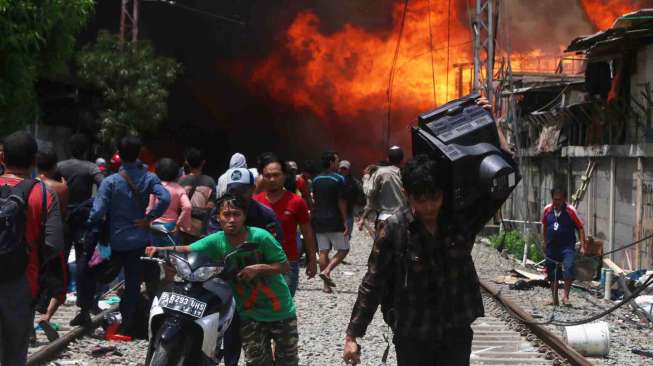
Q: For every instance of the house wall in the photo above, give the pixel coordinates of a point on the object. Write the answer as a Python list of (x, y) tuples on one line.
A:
[(640, 87), (543, 173)]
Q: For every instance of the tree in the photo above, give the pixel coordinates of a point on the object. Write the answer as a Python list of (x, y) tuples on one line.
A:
[(132, 82), (37, 37)]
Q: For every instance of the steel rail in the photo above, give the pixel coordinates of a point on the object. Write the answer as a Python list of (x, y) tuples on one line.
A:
[(553, 341), (50, 350)]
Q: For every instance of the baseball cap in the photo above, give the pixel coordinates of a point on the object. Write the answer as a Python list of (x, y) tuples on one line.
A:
[(239, 177), (344, 164), (292, 165)]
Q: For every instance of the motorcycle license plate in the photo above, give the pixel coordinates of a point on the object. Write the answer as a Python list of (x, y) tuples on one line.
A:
[(181, 303)]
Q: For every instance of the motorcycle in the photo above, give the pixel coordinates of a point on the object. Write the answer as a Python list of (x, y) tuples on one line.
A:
[(189, 318)]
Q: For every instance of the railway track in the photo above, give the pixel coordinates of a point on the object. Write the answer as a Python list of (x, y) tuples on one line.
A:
[(502, 338), (43, 351)]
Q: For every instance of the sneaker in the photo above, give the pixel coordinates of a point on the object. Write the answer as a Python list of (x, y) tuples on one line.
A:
[(49, 331), (83, 318)]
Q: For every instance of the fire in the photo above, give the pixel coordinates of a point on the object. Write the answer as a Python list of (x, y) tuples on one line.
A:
[(343, 74), (602, 13), (342, 78)]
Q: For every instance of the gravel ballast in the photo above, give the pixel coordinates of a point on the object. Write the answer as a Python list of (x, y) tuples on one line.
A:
[(323, 318)]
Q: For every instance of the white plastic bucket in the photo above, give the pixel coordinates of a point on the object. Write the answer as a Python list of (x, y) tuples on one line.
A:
[(591, 340)]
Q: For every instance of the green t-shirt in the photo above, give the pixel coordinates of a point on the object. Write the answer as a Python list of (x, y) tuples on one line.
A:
[(266, 298)]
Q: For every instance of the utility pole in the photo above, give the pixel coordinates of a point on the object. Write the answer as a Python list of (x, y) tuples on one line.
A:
[(484, 33), (129, 20)]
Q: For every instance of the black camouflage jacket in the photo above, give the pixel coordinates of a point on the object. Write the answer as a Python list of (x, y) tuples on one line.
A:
[(423, 283)]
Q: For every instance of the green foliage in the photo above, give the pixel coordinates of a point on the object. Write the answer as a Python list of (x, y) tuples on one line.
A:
[(132, 81), (513, 242), (37, 37)]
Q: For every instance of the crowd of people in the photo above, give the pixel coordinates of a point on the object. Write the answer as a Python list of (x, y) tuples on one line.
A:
[(102, 212), (98, 214)]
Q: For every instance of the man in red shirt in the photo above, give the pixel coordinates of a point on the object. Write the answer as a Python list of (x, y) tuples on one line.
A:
[(19, 284), (291, 211)]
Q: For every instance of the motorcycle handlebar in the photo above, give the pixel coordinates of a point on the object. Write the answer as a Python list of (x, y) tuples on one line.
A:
[(151, 259)]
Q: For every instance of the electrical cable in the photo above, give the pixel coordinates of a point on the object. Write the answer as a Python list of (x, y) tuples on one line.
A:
[(606, 312), (392, 72), (553, 100), (431, 48), (200, 11), (448, 46)]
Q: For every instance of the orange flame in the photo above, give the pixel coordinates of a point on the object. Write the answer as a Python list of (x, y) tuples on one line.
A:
[(347, 72), (602, 13), (344, 75)]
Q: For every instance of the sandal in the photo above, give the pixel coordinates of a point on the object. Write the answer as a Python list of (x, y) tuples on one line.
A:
[(327, 280), (49, 331)]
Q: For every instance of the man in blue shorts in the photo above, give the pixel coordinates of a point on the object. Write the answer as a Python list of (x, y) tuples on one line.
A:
[(559, 225)]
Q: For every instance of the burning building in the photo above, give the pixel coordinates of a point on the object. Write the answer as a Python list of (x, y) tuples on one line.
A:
[(590, 131)]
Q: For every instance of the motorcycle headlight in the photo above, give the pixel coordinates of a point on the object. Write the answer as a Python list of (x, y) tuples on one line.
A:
[(204, 273), (182, 268)]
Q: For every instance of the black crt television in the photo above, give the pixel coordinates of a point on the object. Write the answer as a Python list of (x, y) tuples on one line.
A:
[(477, 175)]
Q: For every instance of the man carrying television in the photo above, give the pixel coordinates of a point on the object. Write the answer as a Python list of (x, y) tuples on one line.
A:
[(428, 291)]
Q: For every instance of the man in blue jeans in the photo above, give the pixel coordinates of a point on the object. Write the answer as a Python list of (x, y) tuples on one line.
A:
[(123, 197), (559, 225)]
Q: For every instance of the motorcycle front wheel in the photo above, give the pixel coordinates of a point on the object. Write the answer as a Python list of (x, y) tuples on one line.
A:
[(165, 355)]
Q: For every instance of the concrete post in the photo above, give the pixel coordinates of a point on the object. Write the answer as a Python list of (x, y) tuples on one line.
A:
[(611, 231)]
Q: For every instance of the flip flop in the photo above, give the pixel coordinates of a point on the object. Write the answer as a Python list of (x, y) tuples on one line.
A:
[(329, 282), (327, 290), (49, 331)]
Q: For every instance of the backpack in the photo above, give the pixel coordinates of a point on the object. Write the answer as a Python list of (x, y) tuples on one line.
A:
[(14, 251)]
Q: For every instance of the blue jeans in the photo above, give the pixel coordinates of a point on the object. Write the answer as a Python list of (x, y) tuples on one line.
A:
[(292, 277), (16, 317)]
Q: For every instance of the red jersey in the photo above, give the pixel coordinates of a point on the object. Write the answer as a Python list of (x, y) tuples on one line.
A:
[(34, 232), (291, 211)]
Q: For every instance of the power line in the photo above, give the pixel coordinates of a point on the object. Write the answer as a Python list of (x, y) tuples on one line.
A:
[(392, 73), (431, 48), (448, 45), (200, 11)]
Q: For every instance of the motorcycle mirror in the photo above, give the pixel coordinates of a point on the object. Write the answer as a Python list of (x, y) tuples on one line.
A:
[(159, 229)]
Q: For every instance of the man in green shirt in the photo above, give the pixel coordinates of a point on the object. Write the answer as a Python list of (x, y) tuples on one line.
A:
[(262, 296)]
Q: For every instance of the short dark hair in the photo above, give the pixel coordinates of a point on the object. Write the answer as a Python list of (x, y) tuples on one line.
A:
[(395, 155), (79, 145), (420, 176), (46, 160), (232, 200), (558, 190), (129, 148), (327, 158), (167, 169), (270, 158), (20, 150), (309, 167), (194, 158)]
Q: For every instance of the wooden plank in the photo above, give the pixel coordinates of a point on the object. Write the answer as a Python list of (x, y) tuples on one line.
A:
[(614, 267), (529, 275)]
